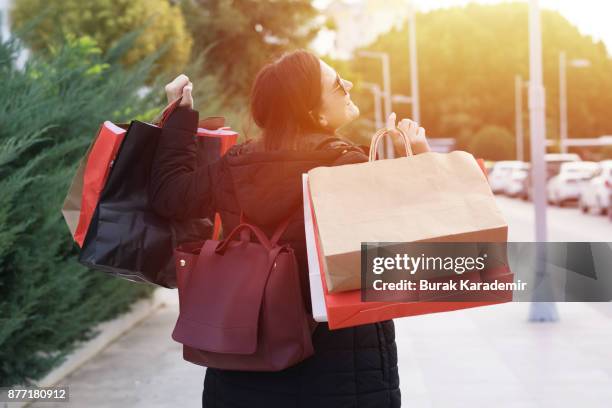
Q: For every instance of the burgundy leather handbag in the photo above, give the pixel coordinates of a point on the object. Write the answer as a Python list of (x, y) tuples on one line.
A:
[(241, 305)]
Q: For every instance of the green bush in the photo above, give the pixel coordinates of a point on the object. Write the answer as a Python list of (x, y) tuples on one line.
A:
[(50, 110), (493, 143), (606, 153)]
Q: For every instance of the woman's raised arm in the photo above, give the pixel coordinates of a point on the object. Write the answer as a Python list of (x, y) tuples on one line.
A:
[(178, 188)]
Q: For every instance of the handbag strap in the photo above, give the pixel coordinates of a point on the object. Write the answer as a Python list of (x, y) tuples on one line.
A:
[(244, 227), (280, 230), (248, 228)]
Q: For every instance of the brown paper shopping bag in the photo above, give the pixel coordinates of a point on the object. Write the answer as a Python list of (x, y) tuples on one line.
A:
[(430, 197)]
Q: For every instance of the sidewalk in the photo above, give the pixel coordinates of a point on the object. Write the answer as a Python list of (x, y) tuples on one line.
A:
[(493, 357), (485, 357), (143, 368)]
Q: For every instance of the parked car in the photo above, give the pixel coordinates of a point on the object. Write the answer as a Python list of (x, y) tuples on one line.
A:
[(553, 163), (567, 185), (501, 172), (595, 194), (516, 185), (488, 164)]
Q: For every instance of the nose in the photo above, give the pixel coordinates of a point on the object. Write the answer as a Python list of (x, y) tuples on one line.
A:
[(348, 85)]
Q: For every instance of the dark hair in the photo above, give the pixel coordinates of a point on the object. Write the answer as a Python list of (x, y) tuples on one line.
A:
[(282, 97)]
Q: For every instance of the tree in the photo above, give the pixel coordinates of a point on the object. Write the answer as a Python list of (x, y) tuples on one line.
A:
[(106, 21), (493, 143), (468, 58), (49, 112), (606, 153), (240, 36)]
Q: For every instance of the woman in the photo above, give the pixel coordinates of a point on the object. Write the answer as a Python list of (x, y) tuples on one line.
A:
[(298, 101)]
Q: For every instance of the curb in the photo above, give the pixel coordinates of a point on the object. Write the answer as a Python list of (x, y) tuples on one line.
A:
[(109, 331)]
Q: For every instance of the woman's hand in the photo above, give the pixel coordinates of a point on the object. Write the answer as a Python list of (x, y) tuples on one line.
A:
[(181, 86), (416, 134)]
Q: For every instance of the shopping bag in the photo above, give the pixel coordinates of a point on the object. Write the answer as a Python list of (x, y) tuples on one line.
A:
[(319, 312), (429, 197), (126, 237), (91, 174), (99, 161), (346, 309), (71, 208)]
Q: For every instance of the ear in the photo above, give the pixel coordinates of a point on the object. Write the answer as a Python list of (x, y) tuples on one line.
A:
[(318, 118), (323, 121)]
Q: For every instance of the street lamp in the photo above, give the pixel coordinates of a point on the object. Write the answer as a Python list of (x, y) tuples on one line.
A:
[(386, 72), (378, 116), (519, 84), (540, 311), (563, 125), (396, 98), (414, 73), (377, 93)]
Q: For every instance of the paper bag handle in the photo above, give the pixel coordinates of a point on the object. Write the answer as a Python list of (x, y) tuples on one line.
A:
[(378, 137), (168, 110)]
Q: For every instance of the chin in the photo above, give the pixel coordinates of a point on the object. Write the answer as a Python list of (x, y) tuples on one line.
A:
[(349, 115), (352, 112)]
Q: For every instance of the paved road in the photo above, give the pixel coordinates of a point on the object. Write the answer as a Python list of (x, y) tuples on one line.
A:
[(566, 224), (473, 358)]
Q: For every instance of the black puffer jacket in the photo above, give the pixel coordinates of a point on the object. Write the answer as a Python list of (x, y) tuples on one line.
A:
[(353, 367)]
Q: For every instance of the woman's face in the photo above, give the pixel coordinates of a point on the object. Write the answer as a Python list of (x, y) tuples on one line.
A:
[(337, 108)]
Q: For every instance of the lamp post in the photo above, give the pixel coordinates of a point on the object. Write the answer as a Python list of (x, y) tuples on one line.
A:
[(397, 98), (378, 116), (414, 73), (519, 84), (563, 125), (386, 73), (541, 311)]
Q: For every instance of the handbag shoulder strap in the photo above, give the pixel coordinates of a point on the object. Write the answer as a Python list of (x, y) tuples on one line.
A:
[(278, 233), (280, 230)]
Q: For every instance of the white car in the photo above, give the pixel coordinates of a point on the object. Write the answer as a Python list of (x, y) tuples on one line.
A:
[(596, 193), (553, 163), (567, 185), (516, 186), (501, 173)]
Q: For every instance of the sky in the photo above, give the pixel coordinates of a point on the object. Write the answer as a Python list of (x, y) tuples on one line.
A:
[(592, 17), (3, 18)]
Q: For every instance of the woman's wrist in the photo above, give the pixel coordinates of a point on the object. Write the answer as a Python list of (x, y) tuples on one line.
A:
[(183, 118), (421, 146)]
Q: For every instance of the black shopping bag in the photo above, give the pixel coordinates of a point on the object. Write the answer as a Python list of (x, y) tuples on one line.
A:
[(126, 237)]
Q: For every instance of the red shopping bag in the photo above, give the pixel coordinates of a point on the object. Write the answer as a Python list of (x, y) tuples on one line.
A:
[(346, 309), (99, 162)]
